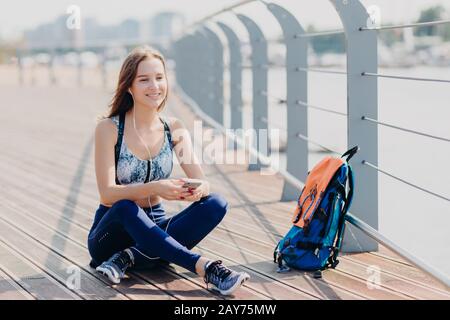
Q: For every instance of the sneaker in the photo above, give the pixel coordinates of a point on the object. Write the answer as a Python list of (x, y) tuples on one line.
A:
[(223, 279), (114, 268)]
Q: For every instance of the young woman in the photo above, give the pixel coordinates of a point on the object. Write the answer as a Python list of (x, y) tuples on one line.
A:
[(133, 162)]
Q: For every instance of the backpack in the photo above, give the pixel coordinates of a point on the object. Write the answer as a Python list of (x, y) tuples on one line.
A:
[(314, 241)]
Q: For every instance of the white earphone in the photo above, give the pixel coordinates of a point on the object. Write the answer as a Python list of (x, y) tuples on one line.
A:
[(151, 165)]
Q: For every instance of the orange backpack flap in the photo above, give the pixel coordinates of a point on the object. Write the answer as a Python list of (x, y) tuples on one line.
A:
[(316, 184)]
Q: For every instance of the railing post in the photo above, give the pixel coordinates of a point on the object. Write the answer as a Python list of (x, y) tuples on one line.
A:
[(178, 67), (79, 68), (362, 101), (181, 55), (177, 49), (214, 76), (20, 66), (235, 67), (259, 61), (190, 69), (200, 69), (103, 68), (191, 77), (51, 67), (297, 89)]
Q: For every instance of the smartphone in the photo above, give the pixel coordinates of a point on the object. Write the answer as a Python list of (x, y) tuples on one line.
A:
[(192, 184)]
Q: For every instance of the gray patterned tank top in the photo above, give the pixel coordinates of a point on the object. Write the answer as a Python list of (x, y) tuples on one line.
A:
[(130, 169)]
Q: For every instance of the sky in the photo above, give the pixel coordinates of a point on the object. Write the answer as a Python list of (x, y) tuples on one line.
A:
[(19, 15)]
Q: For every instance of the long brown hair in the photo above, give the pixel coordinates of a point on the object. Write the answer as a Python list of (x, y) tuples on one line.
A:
[(122, 100)]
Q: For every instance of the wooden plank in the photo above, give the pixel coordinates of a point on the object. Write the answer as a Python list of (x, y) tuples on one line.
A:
[(414, 278), (55, 189), (166, 280), (266, 266), (246, 252), (408, 273), (177, 284), (241, 224), (388, 281), (31, 276), (399, 282), (404, 285), (254, 208), (78, 234), (181, 287), (35, 164), (301, 282), (10, 289), (244, 216), (48, 211), (415, 275), (81, 233), (263, 284), (58, 267), (44, 186), (44, 173), (385, 253), (48, 250)]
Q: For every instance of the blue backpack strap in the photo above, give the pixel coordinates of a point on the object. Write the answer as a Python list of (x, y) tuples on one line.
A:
[(351, 186), (350, 153), (332, 261), (119, 142), (278, 258), (167, 131), (351, 183), (348, 202)]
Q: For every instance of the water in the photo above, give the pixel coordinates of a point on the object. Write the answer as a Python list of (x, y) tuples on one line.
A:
[(416, 221)]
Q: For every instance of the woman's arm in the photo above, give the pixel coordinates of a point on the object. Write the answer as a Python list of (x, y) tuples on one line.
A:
[(186, 157), (110, 192)]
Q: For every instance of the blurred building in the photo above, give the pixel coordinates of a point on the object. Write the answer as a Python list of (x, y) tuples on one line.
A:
[(53, 34), (164, 25), (57, 34), (159, 28)]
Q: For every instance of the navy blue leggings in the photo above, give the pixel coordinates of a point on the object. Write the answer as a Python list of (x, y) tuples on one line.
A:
[(126, 225)]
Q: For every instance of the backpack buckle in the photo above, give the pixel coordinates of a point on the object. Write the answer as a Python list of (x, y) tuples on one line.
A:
[(306, 227), (281, 267), (317, 274), (334, 264)]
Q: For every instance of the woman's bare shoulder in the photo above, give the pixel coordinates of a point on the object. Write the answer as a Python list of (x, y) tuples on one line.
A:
[(174, 123), (106, 128)]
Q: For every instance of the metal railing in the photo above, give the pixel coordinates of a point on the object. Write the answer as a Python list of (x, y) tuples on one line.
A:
[(100, 47), (193, 52)]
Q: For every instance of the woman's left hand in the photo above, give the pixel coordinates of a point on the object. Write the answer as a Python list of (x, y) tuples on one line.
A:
[(199, 192)]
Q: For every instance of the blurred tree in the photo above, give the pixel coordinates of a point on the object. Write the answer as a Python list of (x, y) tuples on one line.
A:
[(389, 37), (334, 43), (431, 14), (446, 32)]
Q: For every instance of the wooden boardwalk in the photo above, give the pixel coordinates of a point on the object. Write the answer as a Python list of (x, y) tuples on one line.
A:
[(49, 196)]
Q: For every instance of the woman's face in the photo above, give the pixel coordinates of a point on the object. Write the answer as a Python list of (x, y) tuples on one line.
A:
[(149, 87)]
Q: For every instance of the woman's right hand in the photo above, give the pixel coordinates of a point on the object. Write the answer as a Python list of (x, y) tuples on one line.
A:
[(172, 189)]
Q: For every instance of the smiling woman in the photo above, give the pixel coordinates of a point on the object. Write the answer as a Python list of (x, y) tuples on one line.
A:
[(133, 161), (142, 76)]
